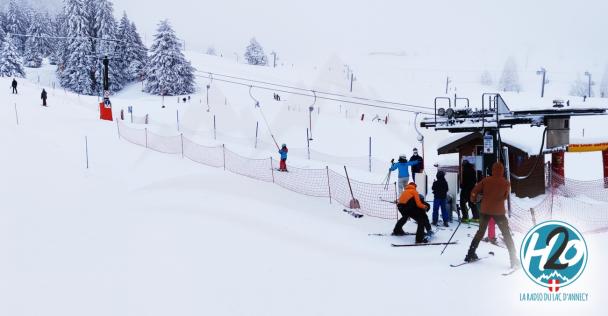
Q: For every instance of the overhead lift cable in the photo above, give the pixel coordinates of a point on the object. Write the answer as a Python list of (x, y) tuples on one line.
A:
[(319, 92), (318, 97)]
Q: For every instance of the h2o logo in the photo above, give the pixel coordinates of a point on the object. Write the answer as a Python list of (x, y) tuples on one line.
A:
[(553, 254)]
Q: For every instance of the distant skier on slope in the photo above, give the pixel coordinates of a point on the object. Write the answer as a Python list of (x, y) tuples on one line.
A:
[(411, 205), (43, 97), (283, 152), (419, 167), (495, 189), (440, 192), (14, 86), (404, 173)]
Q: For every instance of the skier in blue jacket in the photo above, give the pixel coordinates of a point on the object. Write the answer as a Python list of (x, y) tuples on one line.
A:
[(404, 172), (283, 152)]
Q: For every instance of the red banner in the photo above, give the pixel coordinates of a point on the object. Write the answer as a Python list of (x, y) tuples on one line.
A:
[(105, 112)]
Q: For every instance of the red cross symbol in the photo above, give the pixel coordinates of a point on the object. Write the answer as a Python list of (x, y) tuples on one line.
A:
[(553, 284)]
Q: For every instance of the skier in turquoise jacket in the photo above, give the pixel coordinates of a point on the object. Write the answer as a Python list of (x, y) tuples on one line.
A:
[(404, 173)]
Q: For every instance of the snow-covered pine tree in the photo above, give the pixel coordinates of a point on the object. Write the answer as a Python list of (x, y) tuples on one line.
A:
[(509, 81), (254, 53), (10, 61), (486, 78), (104, 28), (36, 44), (2, 26), (131, 50), (138, 55), (58, 47), (580, 88), (211, 51), (2, 34), (168, 72), (76, 73), (47, 25), (16, 23)]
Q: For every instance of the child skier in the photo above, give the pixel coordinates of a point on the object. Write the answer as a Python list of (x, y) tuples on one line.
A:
[(404, 173), (283, 151), (410, 205), (440, 193)]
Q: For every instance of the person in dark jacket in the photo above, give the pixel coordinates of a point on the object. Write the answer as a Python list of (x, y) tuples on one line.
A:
[(468, 179), (283, 152), (14, 86), (440, 193), (411, 205), (495, 190), (43, 97), (419, 167)]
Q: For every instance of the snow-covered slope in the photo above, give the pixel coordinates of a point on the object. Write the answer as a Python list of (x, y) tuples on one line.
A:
[(142, 233)]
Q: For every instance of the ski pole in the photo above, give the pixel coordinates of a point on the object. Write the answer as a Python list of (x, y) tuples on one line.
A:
[(455, 230), (387, 201)]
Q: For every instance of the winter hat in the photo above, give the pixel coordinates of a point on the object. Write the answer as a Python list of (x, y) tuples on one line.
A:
[(402, 158), (415, 150), (283, 145), (440, 174)]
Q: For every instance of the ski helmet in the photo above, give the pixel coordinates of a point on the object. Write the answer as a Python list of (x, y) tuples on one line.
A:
[(283, 145)]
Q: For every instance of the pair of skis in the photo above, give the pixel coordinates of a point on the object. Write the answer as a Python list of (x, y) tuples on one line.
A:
[(413, 244), (490, 254)]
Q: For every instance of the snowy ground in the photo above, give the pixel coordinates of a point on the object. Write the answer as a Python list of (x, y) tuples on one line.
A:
[(143, 233)]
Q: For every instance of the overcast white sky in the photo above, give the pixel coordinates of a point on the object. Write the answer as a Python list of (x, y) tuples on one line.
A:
[(573, 30)]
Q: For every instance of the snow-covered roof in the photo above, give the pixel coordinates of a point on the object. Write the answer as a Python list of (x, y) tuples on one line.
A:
[(529, 101), (452, 138), (526, 138)]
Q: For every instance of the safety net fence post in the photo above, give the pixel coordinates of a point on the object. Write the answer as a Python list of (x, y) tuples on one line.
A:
[(375, 199), (210, 156), (312, 182), (133, 135), (253, 168), (164, 144), (583, 204)]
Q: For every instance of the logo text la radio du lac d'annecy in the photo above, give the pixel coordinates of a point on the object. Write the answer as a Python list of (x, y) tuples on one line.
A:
[(553, 255)]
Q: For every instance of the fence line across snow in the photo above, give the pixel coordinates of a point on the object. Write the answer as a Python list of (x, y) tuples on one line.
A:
[(324, 182), (582, 203)]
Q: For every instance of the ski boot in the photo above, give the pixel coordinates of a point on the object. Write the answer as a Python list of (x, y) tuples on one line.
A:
[(471, 256), (424, 240)]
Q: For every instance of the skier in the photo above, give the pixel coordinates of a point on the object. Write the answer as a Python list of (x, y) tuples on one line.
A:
[(404, 174), (440, 192), (495, 189), (283, 151), (43, 97), (14, 86), (411, 205), (419, 167), (468, 180)]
